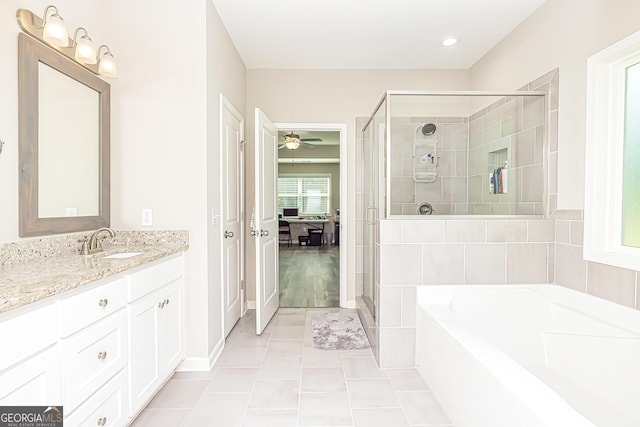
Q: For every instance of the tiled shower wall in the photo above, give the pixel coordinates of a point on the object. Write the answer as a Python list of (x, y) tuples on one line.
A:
[(448, 194), (514, 127)]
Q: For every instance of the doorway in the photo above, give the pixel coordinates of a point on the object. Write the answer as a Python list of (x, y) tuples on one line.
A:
[(310, 195), (264, 219), (308, 200)]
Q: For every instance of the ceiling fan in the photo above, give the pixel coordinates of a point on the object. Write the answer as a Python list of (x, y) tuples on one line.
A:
[(292, 141)]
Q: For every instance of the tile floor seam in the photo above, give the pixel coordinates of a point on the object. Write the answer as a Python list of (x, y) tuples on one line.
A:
[(346, 385), (246, 410)]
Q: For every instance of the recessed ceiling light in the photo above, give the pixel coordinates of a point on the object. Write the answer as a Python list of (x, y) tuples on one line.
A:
[(449, 41)]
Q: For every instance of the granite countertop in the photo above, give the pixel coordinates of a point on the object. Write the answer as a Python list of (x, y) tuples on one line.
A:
[(30, 281)]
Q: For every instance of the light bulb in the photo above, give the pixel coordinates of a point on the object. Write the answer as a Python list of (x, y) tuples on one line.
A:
[(108, 66), (449, 41), (55, 32), (86, 51)]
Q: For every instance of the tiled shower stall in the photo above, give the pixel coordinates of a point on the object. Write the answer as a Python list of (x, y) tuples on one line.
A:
[(468, 239)]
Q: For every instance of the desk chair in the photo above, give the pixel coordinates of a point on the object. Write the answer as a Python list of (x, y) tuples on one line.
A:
[(284, 231)]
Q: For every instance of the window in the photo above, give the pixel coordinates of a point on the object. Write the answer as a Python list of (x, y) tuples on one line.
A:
[(311, 194), (612, 202), (631, 159)]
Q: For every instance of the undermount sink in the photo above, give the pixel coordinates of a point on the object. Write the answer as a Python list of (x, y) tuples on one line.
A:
[(123, 255)]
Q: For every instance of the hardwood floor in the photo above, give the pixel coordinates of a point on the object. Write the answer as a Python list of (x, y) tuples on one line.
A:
[(309, 276)]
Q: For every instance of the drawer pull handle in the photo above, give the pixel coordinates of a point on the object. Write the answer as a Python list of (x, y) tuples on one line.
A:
[(102, 421), (161, 304), (103, 302), (166, 301), (102, 355)]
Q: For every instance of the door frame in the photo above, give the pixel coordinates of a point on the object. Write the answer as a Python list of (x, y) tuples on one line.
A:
[(342, 129)]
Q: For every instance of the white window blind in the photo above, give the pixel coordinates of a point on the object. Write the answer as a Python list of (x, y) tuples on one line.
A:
[(311, 194)]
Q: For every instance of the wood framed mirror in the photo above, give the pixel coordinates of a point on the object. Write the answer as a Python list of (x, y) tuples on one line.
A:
[(64, 143)]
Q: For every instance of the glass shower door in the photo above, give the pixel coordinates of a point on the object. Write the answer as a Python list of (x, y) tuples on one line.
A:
[(373, 143)]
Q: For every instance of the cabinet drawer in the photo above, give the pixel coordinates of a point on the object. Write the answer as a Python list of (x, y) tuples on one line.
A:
[(105, 408), (92, 357), (148, 280), (26, 334), (81, 310)]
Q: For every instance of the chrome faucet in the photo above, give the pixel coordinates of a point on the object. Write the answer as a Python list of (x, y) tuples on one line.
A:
[(94, 246)]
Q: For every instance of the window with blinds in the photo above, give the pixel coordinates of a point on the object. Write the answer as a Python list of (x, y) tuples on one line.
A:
[(311, 194)]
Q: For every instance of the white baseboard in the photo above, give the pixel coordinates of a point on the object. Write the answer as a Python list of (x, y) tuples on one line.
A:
[(350, 304), (202, 364)]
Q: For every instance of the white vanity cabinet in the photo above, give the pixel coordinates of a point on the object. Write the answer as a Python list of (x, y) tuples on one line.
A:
[(155, 319), (29, 358), (101, 350)]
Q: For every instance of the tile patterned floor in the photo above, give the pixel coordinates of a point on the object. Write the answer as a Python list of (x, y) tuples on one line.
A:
[(279, 380)]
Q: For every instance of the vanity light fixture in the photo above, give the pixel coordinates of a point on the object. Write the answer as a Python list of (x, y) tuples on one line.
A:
[(52, 31), (85, 51), (107, 65)]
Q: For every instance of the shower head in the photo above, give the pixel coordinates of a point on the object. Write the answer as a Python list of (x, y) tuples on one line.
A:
[(428, 129)]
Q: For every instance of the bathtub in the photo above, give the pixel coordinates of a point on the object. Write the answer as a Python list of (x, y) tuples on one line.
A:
[(535, 355)]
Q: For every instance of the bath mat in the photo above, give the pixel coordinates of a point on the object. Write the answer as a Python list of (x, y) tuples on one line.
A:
[(338, 331)]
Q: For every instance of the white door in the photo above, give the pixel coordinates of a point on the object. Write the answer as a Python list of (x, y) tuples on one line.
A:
[(232, 195), (266, 221)]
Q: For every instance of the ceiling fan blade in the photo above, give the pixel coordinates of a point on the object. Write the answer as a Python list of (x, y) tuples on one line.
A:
[(308, 145), (311, 139), (280, 147)]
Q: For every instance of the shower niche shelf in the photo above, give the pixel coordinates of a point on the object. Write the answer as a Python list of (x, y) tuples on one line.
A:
[(498, 171)]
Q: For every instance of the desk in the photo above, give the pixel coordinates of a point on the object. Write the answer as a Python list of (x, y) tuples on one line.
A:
[(298, 226)]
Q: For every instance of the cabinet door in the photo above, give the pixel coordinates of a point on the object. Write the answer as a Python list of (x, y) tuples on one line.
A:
[(34, 381), (143, 349), (170, 329)]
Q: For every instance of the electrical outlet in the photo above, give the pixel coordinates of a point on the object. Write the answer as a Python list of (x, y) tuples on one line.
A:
[(146, 217)]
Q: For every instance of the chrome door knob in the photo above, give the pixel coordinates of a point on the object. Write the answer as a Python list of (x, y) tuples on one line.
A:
[(228, 234), (264, 233)]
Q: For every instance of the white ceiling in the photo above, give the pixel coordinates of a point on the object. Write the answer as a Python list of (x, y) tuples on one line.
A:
[(368, 34)]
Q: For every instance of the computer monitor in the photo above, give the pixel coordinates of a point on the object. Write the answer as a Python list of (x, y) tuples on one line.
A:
[(290, 212)]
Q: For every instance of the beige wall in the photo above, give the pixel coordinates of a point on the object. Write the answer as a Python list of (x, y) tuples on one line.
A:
[(561, 33), (330, 96), (166, 151)]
